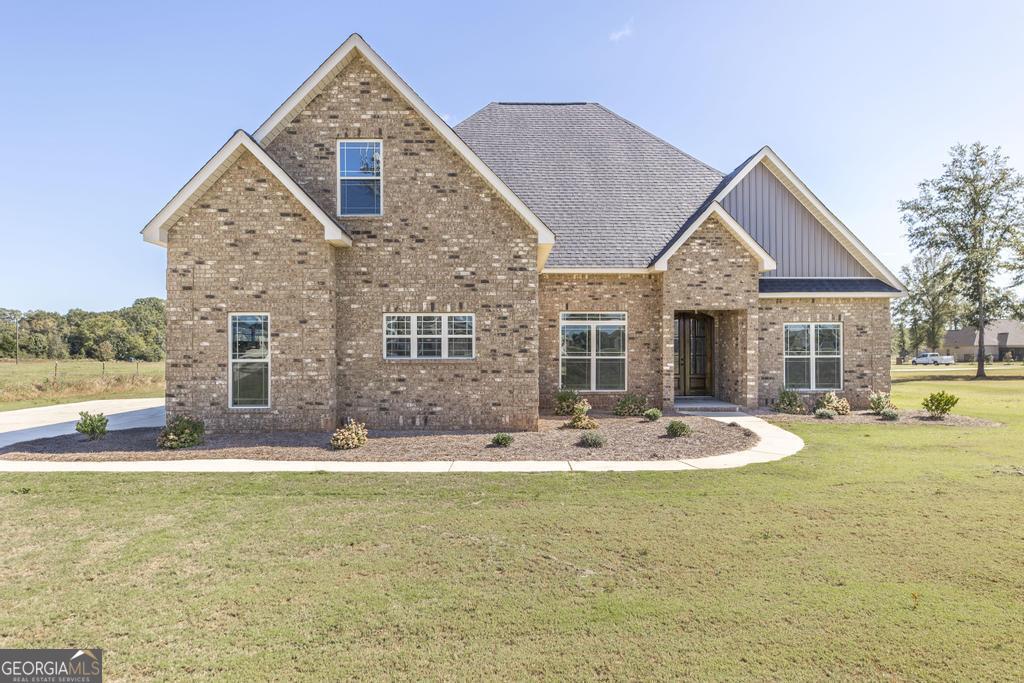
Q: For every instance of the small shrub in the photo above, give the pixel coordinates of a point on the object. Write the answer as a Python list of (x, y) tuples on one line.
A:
[(830, 401), (580, 419), (631, 405), (737, 425), (352, 435), (591, 440), (182, 432), (889, 414), (93, 426), (824, 414), (652, 414), (565, 400), (790, 403), (677, 428), (939, 404), (501, 440), (879, 401)]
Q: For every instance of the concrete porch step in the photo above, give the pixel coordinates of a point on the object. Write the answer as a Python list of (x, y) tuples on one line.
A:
[(706, 405)]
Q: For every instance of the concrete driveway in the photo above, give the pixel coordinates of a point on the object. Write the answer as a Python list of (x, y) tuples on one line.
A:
[(38, 423)]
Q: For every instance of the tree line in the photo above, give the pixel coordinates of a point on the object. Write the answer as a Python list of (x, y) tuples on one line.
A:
[(966, 229), (133, 333)]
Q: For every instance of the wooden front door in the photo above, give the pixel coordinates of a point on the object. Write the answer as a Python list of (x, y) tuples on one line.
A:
[(694, 344)]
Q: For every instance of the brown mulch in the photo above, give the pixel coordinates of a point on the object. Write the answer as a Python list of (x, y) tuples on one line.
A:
[(628, 438), (907, 417)]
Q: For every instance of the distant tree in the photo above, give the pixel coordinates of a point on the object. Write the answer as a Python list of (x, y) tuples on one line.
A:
[(972, 217), (931, 301)]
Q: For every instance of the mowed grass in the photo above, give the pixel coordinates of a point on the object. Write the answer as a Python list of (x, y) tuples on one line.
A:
[(34, 382), (879, 552)]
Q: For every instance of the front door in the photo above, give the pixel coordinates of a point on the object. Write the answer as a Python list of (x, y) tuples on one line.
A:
[(693, 335)]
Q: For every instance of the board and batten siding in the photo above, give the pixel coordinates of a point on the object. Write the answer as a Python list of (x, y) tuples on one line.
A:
[(801, 245)]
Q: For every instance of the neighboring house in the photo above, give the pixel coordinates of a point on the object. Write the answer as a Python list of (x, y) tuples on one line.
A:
[(357, 257), (1003, 338)]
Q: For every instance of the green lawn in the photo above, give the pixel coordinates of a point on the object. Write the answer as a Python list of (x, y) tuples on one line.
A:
[(33, 382), (878, 552)]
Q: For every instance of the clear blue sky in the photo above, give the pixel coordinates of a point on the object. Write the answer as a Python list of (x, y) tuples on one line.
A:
[(109, 108)]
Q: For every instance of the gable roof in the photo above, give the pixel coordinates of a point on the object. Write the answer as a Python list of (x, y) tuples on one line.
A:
[(355, 44), (763, 258), (613, 193), (1013, 329), (155, 231)]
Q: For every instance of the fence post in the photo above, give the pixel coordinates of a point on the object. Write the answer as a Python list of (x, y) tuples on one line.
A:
[(103, 368), (136, 368), (55, 372)]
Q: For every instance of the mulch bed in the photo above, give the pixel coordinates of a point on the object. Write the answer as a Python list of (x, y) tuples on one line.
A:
[(907, 417), (628, 438)]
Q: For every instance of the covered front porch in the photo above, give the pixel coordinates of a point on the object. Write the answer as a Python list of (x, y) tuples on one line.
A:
[(713, 360)]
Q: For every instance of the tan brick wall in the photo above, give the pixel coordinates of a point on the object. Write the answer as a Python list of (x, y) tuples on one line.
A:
[(866, 343), (248, 246), (446, 242), (639, 296), (712, 272)]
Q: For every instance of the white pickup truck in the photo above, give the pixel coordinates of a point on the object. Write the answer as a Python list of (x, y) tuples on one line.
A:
[(933, 359)]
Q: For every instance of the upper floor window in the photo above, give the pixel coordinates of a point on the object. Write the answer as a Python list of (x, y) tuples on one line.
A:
[(593, 351), (813, 356), (249, 360), (429, 336), (359, 177)]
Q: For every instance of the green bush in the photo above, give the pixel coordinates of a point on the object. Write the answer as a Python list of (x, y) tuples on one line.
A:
[(889, 414), (790, 403), (501, 440), (565, 400), (879, 401), (677, 428), (580, 419), (652, 414), (352, 435), (824, 413), (182, 432), (631, 405), (939, 404), (93, 426), (591, 440), (830, 401)]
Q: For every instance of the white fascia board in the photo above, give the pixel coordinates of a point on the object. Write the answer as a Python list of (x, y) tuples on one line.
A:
[(597, 271), (831, 295), (831, 222), (310, 88), (764, 259), (155, 231)]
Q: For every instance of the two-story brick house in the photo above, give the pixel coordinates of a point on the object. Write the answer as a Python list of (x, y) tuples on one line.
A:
[(357, 257)]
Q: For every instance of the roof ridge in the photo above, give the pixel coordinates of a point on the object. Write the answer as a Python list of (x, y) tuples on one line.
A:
[(541, 104)]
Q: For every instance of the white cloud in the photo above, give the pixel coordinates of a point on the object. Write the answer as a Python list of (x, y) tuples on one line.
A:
[(625, 32)]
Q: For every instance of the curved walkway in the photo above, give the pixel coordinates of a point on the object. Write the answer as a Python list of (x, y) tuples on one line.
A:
[(775, 443), (46, 421)]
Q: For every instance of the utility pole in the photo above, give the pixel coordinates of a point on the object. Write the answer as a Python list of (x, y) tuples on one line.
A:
[(17, 339)]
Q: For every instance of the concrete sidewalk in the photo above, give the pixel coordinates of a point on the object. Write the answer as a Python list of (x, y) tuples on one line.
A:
[(38, 423), (775, 443)]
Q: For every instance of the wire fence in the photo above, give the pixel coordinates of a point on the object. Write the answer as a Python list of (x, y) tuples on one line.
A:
[(30, 371)]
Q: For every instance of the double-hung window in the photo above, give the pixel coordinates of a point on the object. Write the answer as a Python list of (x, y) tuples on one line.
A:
[(359, 177), (428, 336), (814, 356), (249, 360), (593, 351)]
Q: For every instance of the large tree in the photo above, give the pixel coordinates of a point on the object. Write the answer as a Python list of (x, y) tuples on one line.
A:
[(972, 217), (931, 301)]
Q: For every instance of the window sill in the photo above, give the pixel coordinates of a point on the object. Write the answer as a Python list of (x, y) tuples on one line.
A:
[(433, 361)]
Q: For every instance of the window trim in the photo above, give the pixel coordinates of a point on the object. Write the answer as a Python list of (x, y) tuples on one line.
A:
[(813, 355), (593, 354), (338, 178), (413, 336), (232, 361)]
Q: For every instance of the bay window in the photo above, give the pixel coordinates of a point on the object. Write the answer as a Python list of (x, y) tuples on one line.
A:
[(593, 351), (813, 356)]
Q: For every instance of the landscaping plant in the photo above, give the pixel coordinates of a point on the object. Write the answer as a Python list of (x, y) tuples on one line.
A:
[(879, 401), (591, 440), (501, 440), (93, 426), (652, 414), (631, 405), (182, 432), (565, 400), (352, 435), (677, 428), (790, 403), (825, 413), (580, 419), (830, 401), (889, 414), (939, 404)]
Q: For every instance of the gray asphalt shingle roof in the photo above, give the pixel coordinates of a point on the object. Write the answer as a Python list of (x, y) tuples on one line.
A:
[(613, 194), (1013, 329), (771, 285)]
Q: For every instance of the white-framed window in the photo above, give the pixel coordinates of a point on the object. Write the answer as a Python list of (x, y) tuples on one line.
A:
[(249, 360), (813, 356), (360, 178), (592, 354), (429, 336)]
